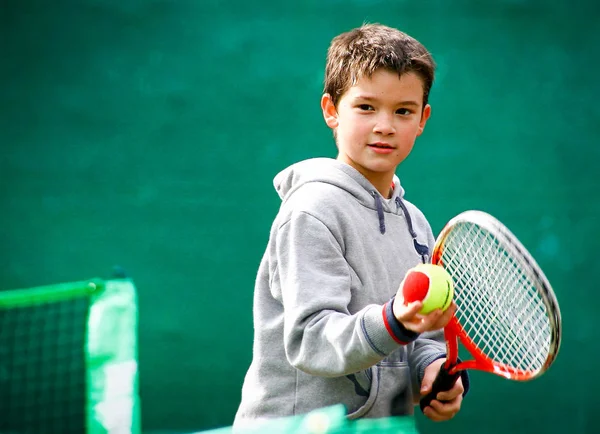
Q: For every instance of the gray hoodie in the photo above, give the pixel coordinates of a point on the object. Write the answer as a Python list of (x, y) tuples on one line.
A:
[(324, 329)]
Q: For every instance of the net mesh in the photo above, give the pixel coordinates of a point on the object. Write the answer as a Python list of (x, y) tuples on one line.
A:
[(42, 367), (499, 303)]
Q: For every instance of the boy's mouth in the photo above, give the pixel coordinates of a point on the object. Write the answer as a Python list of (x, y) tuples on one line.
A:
[(381, 145)]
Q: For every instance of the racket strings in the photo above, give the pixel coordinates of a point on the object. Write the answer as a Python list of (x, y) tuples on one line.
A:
[(499, 305), (495, 338)]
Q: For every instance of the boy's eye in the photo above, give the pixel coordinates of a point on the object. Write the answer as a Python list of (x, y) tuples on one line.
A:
[(365, 107), (403, 111)]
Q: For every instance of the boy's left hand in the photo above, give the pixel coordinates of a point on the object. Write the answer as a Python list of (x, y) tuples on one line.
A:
[(446, 404)]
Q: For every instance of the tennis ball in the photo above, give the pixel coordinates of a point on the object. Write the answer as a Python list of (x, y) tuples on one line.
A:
[(430, 284)]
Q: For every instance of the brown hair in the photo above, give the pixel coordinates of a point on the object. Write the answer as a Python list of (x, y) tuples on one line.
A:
[(361, 51)]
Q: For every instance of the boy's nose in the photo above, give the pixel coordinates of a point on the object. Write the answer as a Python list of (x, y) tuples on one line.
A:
[(384, 126)]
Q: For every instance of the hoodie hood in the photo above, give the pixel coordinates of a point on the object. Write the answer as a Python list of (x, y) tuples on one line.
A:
[(334, 172), (341, 175)]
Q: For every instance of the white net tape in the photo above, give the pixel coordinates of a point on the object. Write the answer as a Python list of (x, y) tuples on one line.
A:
[(499, 304)]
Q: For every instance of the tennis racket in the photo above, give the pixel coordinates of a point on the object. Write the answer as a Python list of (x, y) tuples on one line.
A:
[(507, 316)]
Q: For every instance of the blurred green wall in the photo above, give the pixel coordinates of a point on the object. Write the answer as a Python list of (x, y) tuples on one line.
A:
[(147, 133)]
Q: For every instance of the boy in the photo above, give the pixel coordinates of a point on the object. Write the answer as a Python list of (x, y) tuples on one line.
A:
[(329, 327)]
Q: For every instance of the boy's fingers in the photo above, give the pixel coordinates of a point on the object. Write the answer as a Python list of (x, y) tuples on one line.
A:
[(411, 318), (413, 308), (422, 323), (406, 312), (444, 317), (452, 394), (449, 395), (435, 415), (431, 320)]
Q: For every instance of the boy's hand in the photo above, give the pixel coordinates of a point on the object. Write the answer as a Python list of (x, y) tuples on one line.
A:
[(412, 320), (446, 404)]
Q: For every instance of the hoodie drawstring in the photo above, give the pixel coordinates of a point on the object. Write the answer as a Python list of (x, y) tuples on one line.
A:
[(380, 214), (420, 248)]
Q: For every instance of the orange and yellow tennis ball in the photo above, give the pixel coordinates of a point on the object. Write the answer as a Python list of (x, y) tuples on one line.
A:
[(430, 284)]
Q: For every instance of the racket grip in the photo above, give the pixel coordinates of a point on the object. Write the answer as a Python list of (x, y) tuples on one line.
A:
[(443, 382)]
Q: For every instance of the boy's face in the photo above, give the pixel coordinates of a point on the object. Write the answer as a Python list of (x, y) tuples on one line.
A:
[(377, 121)]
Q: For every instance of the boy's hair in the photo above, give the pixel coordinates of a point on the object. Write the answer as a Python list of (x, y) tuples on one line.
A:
[(361, 51)]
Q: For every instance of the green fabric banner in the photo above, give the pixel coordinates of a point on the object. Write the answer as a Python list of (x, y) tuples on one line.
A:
[(329, 420)]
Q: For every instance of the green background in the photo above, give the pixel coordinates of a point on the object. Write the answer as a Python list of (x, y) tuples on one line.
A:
[(147, 134)]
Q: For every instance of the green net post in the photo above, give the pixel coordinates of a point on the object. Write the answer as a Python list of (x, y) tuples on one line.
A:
[(113, 404), (68, 359)]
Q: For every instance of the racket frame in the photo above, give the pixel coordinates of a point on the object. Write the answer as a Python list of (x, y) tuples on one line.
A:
[(454, 331)]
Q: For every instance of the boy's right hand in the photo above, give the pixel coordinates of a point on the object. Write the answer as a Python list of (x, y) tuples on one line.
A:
[(412, 320)]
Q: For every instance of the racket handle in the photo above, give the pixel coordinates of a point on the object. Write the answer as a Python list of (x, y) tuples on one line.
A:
[(443, 382)]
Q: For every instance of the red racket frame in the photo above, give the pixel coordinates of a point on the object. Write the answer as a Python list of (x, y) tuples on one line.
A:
[(454, 331)]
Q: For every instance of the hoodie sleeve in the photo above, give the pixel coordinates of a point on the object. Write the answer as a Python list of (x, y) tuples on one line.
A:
[(312, 281)]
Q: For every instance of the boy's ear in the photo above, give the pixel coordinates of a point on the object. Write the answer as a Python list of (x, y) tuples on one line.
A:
[(329, 111), (424, 116)]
